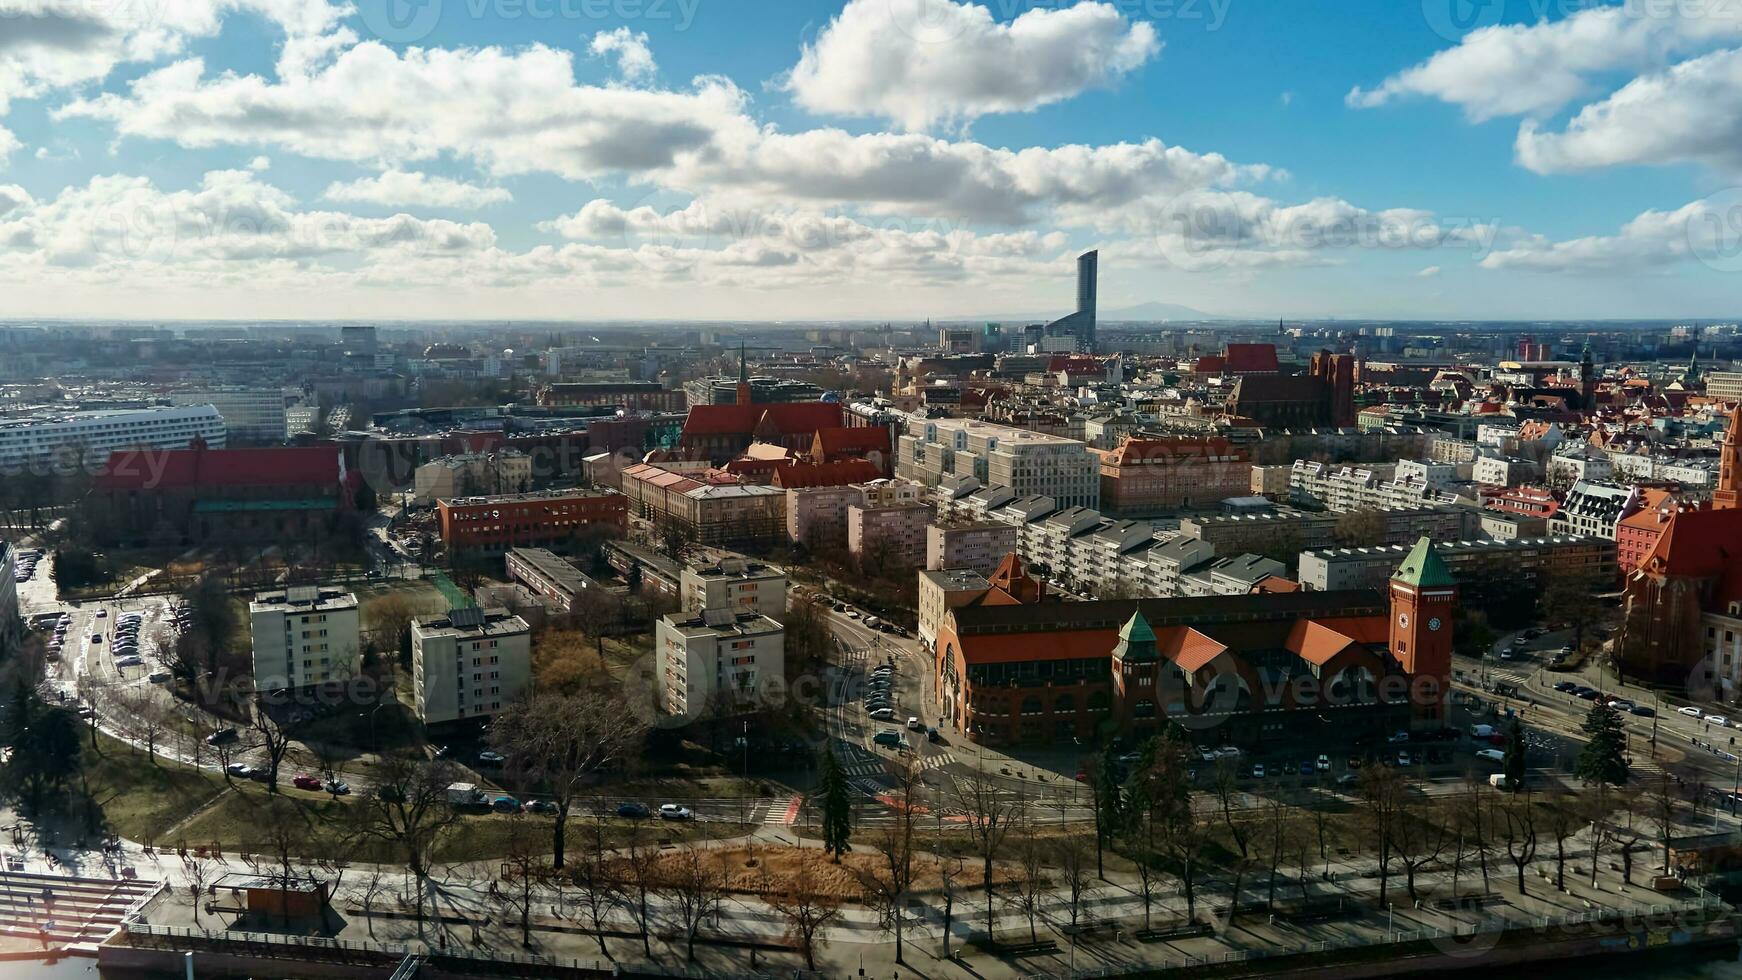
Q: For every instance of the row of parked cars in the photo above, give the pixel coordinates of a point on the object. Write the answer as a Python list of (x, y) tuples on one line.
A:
[(25, 563), (1707, 716), (1588, 693)]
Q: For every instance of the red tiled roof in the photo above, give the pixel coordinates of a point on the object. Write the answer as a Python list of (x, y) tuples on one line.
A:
[(154, 469), (1698, 543), (1211, 364), (851, 441), (791, 417), (836, 474), (1244, 358), (1188, 648)]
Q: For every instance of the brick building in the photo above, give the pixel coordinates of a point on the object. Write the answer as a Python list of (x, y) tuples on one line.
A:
[(552, 519), (1144, 476)]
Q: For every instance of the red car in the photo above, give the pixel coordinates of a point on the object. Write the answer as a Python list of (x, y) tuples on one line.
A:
[(307, 782)]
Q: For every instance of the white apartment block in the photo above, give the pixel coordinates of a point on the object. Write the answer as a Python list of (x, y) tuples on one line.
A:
[(734, 584), (893, 534), (1591, 508), (92, 436), (304, 637), (1431, 472), (1579, 462), (1694, 475), (472, 475), (1348, 488), (469, 663), (716, 660), (1725, 385), (1503, 471), (251, 415), (1029, 463), (977, 545)]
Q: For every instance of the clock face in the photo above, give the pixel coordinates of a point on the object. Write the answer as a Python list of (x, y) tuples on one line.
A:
[(1403, 619), (1434, 624)]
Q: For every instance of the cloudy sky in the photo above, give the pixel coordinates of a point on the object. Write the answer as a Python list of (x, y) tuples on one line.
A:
[(792, 159)]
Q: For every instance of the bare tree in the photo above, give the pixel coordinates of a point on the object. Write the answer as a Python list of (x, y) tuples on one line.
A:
[(806, 911), (640, 872), (1227, 789), (1076, 869), (989, 816), (1382, 792), (889, 881), (1276, 828), (199, 873), (600, 889), (373, 881), (147, 717), (1184, 841), (1514, 818), (1562, 820), (1028, 892), (1419, 836), (409, 809), (1661, 803), (559, 741), (696, 887), (949, 872), (523, 871), (274, 729)]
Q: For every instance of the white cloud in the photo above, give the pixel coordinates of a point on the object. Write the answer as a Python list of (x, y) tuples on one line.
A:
[(1521, 69), (400, 188), (1692, 112), (920, 62), (260, 164), (1429, 272), (634, 58), (1706, 230), (8, 145)]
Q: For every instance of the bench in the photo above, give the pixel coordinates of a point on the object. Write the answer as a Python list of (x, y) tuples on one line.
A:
[(1183, 930), (1038, 948)]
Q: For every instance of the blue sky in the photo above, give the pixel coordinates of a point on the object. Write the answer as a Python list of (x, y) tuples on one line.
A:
[(868, 159)]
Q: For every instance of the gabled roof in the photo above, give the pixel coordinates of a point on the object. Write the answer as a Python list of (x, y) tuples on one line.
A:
[(1251, 357), (784, 417), (1424, 568), (853, 441), (1698, 544), (834, 474), (155, 469)]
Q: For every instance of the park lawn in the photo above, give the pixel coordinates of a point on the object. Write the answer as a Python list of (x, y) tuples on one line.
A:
[(140, 798)]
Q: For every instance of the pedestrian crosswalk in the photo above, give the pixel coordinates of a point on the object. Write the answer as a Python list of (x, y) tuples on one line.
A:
[(783, 813)]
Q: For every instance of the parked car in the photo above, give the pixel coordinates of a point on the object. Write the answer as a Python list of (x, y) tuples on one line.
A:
[(1565, 686), (240, 770), (672, 811), (914, 724), (1348, 779), (1398, 738), (221, 736), (1258, 771), (541, 806), (159, 677), (933, 735), (1492, 755), (1690, 711), (1306, 767), (505, 804), (1324, 763), (129, 662), (488, 758), (888, 737), (1403, 759), (1642, 711), (1718, 720), (883, 714), (338, 787)]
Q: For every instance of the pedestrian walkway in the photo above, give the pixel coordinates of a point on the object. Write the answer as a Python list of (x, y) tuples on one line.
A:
[(66, 911), (786, 815)]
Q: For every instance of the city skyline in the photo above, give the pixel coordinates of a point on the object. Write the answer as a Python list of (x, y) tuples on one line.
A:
[(864, 160)]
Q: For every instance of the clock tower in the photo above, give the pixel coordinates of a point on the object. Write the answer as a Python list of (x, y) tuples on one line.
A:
[(1424, 597)]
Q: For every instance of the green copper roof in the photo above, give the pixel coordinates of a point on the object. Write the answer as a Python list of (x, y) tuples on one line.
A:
[(1136, 630), (1424, 567)]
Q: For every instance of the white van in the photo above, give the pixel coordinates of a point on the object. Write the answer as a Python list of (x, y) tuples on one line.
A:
[(1500, 782), (1482, 731)]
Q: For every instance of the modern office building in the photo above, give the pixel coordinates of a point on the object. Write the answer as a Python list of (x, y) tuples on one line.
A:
[(469, 663), (734, 584), (1080, 323), (90, 437), (545, 519), (716, 661), (304, 637), (1521, 564), (1027, 462), (252, 415)]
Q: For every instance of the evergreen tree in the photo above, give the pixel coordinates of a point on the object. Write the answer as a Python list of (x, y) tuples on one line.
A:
[(1513, 764), (1106, 787), (1603, 759), (837, 807)]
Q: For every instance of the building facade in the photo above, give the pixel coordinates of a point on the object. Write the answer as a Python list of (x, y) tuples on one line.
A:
[(469, 664), (304, 637), (1146, 476), (553, 519), (88, 438), (471, 474), (252, 415), (1521, 564), (734, 584), (716, 662), (891, 536), (1027, 462), (966, 544)]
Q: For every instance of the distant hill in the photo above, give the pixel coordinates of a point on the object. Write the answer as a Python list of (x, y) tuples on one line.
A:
[(1140, 312)]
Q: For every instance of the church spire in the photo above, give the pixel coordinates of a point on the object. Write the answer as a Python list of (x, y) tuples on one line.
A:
[(1728, 495), (743, 377)]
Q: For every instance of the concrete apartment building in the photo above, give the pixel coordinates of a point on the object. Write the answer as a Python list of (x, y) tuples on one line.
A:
[(1234, 575), (470, 474), (1591, 508), (1521, 563), (469, 663), (1029, 463), (1232, 533), (1147, 476), (716, 661), (252, 416), (816, 517), (944, 589), (1503, 471), (555, 579), (967, 544), (708, 513), (734, 584), (304, 637), (893, 535)]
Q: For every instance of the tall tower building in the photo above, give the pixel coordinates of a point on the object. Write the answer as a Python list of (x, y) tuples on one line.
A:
[(1728, 495), (1588, 383), (1080, 324), (1424, 597)]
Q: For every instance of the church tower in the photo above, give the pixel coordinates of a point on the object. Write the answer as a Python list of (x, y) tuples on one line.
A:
[(1588, 383), (1728, 495), (1424, 597)]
